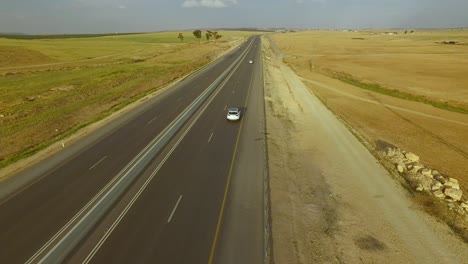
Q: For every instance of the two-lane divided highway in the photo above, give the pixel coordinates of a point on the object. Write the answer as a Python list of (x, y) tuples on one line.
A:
[(173, 211)]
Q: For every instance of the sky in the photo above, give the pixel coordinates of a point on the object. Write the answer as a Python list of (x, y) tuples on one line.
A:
[(111, 16)]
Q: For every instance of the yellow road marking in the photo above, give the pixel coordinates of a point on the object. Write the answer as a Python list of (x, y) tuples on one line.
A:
[(228, 183)]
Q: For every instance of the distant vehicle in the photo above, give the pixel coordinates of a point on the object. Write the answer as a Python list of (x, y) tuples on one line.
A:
[(233, 114), (250, 61)]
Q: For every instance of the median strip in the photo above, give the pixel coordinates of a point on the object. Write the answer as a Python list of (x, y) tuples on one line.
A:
[(63, 242)]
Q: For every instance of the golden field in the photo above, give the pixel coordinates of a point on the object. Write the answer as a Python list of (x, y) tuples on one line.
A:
[(409, 90)]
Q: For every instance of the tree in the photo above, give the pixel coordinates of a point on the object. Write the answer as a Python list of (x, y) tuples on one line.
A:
[(197, 33), (208, 35), (181, 37), (215, 35)]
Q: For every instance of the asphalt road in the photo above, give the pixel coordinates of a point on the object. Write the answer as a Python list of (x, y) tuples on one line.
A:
[(178, 218)]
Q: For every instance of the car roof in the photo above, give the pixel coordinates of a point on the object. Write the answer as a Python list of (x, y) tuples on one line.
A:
[(233, 109)]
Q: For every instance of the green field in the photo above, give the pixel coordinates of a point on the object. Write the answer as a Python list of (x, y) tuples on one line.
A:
[(63, 36), (51, 87)]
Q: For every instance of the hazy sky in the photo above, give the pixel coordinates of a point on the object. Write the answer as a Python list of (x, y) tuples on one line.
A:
[(105, 16)]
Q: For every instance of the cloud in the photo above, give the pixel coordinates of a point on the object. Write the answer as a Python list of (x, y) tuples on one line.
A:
[(208, 3), (122, 7)]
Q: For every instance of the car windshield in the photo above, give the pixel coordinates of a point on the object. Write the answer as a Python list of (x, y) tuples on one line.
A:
[(232, 112)]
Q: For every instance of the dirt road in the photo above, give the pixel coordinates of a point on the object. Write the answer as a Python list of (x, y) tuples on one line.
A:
[(332, 202)]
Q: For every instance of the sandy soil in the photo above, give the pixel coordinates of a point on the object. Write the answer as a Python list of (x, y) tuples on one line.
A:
[(332, 202)]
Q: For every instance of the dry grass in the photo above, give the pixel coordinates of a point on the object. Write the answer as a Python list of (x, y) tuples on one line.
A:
[(53, 87), (377, 69), (410, 91), (417, 64)]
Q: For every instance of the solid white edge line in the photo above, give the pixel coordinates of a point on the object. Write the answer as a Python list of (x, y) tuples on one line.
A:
[(175, 208), (95, 164), (131, 165), (143, 187), (117, 178)]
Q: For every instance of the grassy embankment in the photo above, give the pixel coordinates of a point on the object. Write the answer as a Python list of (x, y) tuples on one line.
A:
[(50, 88), (395, 93)]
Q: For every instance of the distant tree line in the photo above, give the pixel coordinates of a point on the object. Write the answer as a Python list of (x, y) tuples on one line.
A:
[(198, 34)]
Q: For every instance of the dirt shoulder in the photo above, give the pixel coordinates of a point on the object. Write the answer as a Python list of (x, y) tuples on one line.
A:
[(332, 202)]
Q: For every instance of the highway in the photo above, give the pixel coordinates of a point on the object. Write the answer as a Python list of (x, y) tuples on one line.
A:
[(199, 199)]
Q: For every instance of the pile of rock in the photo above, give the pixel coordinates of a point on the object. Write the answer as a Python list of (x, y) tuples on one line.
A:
[(424, 179)]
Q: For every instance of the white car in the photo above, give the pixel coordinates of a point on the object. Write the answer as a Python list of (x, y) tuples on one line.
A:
[(250, 61), (233, 114)]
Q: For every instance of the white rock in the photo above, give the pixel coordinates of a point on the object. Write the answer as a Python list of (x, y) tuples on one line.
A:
[(440, 178), (412, 157), (452, 180), (416, 167), (400, 168), (426, 172), (435, 172), (420, 188), (436, 186), (455, 194), (439, 194), (395, 156), (453, 185), (464, 205)]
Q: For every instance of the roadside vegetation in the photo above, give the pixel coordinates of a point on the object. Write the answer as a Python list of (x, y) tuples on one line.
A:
[(52, 87), (394, 92)]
